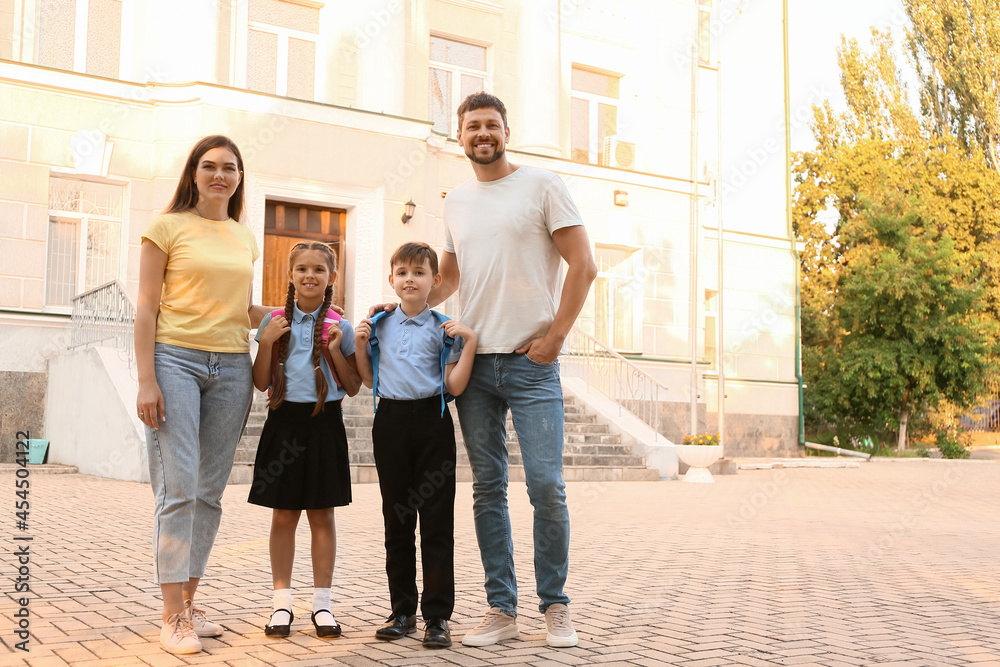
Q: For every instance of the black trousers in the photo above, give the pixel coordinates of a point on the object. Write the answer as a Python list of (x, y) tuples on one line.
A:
[(414, 448)]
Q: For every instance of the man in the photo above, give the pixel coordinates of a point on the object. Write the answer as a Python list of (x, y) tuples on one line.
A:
[(507, 232)]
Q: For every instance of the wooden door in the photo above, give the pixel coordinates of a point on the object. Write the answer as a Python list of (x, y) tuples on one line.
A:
[(286, 224)]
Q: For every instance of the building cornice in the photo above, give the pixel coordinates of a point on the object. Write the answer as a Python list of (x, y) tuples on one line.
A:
[(151, 95), (478, 5), (565, 166)]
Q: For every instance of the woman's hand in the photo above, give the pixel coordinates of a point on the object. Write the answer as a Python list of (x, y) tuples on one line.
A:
[(149, 405)]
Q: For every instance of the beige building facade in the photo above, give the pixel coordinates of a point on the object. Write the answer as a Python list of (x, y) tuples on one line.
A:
[(661, 117)]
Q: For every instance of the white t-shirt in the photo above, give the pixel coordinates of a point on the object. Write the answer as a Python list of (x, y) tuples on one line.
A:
[(501, 234)]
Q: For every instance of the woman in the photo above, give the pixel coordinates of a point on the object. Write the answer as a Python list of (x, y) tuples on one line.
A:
[(192, 323)]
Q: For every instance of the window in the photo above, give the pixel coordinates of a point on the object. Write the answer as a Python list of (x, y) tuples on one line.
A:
[(281, 48), (594, 119), (81, 35), (85, 238), (457, 70), (617, 292), (704, 32)]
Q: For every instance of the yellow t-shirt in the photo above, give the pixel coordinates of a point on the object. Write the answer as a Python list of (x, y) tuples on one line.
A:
[(207, 282)]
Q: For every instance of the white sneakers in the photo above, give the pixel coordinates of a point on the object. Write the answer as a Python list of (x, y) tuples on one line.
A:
[(178, 636), (560, 629), (202, 626), (497, 626), (494, 627)]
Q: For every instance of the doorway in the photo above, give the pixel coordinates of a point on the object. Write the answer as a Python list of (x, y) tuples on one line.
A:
[(286, 224)]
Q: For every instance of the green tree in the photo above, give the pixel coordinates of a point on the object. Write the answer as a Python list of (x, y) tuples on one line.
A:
[(911, 331), (904, 283)]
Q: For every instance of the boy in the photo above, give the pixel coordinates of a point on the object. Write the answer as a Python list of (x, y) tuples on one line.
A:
[(414, 442)]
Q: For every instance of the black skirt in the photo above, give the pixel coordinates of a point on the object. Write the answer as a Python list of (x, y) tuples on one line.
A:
[(302, 461)]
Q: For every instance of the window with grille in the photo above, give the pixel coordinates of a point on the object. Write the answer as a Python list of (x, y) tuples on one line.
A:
[(84, 246), (457, 70), (282, 48), (594, 116)]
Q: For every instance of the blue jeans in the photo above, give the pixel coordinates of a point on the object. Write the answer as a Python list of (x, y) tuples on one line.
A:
[(206, 397), (533, 393)]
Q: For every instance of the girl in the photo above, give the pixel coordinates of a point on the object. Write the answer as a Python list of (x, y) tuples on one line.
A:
[(193, 356), (302, 461)]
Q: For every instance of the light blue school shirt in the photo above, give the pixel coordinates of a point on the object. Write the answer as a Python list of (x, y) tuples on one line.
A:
[(409, 366), (300, 380)]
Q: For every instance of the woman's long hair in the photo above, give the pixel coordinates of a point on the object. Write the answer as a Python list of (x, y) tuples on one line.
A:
[(186, 195), (278, 381)]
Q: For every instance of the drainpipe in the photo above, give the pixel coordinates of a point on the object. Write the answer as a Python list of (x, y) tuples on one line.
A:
[(693, 287), (720, 336), (838, 451), (788, 217)]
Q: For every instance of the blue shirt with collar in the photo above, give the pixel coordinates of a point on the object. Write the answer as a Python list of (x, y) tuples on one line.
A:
[(409, 365), (300, 381)]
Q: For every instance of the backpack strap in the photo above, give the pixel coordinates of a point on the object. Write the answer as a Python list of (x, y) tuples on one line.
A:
[(332, 319), (449, 341), (373, 341)]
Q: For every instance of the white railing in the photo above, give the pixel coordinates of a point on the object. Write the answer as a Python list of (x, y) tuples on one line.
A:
[(609, 373), (101, 314)]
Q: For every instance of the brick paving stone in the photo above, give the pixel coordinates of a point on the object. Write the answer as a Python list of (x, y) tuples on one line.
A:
[(888, 563), (48, 661), (162, 659)]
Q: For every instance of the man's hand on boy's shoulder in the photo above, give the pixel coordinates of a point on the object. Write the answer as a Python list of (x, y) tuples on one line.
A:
[(455, 328), (379, 307)]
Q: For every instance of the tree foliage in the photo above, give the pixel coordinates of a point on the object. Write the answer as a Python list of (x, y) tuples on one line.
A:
[(955, 48), (899, 209)]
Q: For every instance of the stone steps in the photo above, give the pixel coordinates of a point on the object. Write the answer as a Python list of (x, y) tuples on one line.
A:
[(591, 451)]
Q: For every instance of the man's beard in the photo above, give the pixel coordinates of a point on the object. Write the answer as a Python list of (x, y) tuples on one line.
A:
[(497, 154)]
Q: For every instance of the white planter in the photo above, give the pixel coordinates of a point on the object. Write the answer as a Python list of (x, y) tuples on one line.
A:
[(699, 457)]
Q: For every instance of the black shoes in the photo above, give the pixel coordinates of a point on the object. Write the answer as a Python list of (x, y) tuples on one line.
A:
[(396, 627), (436, 634), (326, 631), (280, 630)]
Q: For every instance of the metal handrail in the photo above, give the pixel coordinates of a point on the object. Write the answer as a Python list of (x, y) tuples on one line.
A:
[(607, 372), (101, 314)]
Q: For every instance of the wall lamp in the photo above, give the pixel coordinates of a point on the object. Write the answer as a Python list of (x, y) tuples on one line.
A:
[(408, 209)]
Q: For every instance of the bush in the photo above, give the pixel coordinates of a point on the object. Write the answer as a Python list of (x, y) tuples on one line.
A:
[(922, 450), (952, 446)]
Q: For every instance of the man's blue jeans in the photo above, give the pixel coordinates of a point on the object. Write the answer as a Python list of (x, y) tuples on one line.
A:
[(533, 393)]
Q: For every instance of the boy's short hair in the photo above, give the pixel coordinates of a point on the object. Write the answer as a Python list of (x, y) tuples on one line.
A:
[(414, 252), (482, 100)]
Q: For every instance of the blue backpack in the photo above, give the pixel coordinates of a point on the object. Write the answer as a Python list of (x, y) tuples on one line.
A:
[(445, 351)]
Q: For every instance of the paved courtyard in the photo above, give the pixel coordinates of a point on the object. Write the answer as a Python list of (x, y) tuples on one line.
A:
[(891, 563)]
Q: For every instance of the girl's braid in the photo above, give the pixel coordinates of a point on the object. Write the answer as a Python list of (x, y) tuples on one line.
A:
[(318, 343), (278, 388)]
